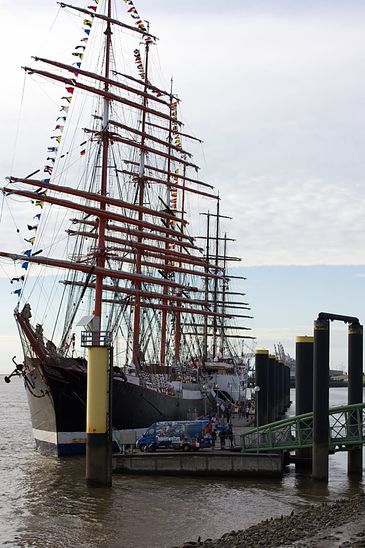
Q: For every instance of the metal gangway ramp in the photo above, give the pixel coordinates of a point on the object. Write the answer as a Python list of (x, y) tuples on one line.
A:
[(346, 430)]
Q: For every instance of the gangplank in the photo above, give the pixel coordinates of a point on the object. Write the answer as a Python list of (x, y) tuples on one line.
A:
[(346, 430)]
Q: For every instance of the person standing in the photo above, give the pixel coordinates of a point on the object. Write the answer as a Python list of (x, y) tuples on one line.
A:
[(214, 434), (230, 435), (222, 437)]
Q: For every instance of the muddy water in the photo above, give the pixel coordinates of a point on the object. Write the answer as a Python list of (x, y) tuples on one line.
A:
[(44, 502)]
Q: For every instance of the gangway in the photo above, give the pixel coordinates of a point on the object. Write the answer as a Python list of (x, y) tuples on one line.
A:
[(346, 430)]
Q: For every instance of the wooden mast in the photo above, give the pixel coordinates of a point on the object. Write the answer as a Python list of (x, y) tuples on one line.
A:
[(136, 357), (224, 288), (167, 245), (177, 313), (215, 298), (155, 240), (205, 331), (101, 252)]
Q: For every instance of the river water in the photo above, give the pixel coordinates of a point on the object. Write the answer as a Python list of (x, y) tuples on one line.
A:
[(44, 502)]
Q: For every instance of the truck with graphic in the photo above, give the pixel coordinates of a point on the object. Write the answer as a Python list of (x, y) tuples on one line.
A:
[(179, 435)]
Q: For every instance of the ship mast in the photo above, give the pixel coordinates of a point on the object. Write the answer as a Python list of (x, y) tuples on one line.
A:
[(178, 314), (136, 357), (154, 263), (223, 297), (205, 319), (215, 291), (101, 251)]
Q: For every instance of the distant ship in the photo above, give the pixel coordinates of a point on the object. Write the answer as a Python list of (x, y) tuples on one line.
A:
[(114, 247)]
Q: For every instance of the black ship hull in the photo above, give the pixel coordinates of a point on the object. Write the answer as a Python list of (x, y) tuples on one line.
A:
[(57, 400)]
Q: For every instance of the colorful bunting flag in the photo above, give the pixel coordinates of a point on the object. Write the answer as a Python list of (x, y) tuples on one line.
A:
[(20, 279), (48, 168)]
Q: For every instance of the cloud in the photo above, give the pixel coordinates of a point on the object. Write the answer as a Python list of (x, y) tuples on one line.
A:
[(279, 104), (275, 91)]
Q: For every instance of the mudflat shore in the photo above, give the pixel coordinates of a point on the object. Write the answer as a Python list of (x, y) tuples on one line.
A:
[(328, 525)]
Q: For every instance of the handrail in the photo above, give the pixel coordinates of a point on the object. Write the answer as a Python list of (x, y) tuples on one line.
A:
[(346, 430)]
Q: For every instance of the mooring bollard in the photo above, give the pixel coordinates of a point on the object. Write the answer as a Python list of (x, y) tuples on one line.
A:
[(262, 380), (320, 400), (277, 389), (355, 390), (282, 388), (304, 375), (272, 388), (303, 391), (287, 386), (288, 402)]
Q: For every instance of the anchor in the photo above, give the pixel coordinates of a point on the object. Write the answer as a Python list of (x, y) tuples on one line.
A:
[(18, 371)]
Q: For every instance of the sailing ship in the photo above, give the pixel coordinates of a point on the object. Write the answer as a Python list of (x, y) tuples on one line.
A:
[(116, 250)]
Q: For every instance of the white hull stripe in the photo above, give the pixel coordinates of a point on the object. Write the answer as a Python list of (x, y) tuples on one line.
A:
[(55, 438)]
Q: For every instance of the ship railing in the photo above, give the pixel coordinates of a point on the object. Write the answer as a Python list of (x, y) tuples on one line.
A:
[(96, 338)]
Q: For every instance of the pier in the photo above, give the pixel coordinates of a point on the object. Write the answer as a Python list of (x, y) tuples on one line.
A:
[(200, 463)]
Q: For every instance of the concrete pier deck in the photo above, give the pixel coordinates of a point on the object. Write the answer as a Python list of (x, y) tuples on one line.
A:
[(201, 463)]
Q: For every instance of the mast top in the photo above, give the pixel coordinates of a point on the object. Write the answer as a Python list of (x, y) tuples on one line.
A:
[(92, 14)]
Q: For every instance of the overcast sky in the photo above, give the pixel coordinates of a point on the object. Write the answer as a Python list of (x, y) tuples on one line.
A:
[(276, 90)]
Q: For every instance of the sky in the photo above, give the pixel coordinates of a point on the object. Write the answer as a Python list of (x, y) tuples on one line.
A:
[(276, 90)]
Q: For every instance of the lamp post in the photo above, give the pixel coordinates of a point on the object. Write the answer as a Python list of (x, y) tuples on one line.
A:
[(257, 390), (230, 386)]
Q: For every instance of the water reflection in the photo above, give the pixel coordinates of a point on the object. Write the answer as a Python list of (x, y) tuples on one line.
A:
[(46, 501)]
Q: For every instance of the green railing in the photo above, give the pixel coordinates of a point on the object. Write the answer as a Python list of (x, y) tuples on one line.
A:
[(346, 430)]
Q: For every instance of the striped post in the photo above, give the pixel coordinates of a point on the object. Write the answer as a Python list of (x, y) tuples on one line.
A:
[(98, 427)]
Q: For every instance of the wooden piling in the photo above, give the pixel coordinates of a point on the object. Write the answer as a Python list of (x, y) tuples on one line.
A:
[(320, 400), (303, 391), (262, 380), (355, 390)]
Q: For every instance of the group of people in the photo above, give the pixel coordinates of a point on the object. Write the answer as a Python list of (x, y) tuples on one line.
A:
[(220, 425), (218, 429), (245, 409)]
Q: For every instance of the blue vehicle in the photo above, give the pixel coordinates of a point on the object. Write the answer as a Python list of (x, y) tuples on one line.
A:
[(180, 435)]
